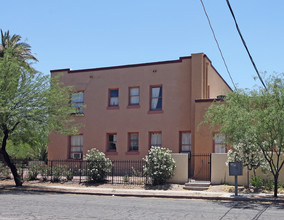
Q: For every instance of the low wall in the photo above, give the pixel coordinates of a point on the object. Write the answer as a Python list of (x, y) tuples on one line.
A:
[(181, 171), (220, 172)]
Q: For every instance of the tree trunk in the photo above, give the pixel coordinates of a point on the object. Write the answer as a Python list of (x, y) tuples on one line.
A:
[(275, 185), (6, 159), (10, 164)]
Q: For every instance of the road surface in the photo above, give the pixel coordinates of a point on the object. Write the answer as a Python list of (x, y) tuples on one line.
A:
[(19, 205)]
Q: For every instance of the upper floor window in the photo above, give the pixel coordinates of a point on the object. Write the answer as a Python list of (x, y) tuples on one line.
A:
[(77, 101), (185, 142), (133, 142), (113, 97), (155, 139), (219, 143), (156, 98), (111, 142), (76, 146), (134, 96)]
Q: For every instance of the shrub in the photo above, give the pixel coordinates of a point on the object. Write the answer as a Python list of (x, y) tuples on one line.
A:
[(57, 172), (257, 182), (159, 165), (44, 171), (68, 172), (33, 171), (4, 172), (268, 184), (98, 166)]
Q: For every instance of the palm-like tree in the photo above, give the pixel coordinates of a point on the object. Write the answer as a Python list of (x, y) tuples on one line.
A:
[(19, 49)]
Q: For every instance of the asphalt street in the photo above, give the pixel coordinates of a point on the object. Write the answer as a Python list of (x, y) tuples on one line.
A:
[(19, 205)]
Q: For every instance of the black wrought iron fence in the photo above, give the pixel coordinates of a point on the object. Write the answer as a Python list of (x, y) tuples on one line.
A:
[(122, 172)]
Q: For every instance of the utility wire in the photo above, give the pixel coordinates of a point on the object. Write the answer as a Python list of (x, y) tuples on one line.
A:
[(244, 43), (218, 45)]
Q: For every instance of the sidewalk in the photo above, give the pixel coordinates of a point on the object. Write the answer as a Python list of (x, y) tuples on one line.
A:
[(182, 194)]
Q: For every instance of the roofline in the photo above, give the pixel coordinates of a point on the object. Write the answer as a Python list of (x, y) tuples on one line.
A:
[(123, 66), (218, 72)]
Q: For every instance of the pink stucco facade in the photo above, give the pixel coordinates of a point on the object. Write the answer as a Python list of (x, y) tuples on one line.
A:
[(182, 82)]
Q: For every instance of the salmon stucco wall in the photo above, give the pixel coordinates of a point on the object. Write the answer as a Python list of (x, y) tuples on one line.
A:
[(183, 81)]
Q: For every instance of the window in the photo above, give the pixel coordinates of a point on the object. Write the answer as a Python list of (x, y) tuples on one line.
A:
[(219, 143), (77, 101), (156, 98), (134, 96), (185, 141), (76, 147), (133, 142), (113, 97), (155, 139), (111, 142)]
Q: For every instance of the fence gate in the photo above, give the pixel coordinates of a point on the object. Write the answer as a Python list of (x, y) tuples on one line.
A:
[(199, 167)]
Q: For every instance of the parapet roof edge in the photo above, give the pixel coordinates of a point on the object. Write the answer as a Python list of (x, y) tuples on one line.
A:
[(123, 66), (218, 72)]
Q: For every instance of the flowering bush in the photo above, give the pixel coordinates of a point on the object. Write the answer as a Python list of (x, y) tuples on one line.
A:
[(57, 173), (159, 165), (98, 166)]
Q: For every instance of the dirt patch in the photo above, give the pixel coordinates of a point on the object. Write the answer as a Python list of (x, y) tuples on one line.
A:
[(176, 187), (167, 187)]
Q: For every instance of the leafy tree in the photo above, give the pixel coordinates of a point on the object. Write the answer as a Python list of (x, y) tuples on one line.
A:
[(34, 147), (20, 50), (29, 102), (254, 119), (250, 156)]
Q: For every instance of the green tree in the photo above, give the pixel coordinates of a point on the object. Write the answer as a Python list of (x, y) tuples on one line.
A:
[(254, 119), (29, 102), (19, 49), (34, 147)]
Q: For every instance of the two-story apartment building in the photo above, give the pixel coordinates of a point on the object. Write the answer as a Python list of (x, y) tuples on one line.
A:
[(133, 107)]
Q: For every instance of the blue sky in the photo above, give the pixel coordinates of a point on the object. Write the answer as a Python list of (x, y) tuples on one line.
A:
[(91, 33)]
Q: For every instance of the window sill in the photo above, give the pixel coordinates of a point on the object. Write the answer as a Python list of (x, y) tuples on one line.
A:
[(112, 107), (155, 111), (111, 153), (132, 153), (133, 106)]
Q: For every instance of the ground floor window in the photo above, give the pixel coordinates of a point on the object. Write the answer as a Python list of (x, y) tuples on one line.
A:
[(76, 146), (219, 143), (133, 142), (111, 142), (155, 139), (185, 142)]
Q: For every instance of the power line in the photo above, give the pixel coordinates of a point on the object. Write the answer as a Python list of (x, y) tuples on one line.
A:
[(218, 45), (244, 43)]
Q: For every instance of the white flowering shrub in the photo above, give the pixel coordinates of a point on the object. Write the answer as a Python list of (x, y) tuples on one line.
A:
[(250, 155), (159, 165), (98, 166)]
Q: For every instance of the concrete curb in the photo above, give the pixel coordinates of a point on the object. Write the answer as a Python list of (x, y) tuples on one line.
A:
[(140, 193)]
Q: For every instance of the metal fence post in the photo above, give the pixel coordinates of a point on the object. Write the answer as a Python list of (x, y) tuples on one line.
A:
[(80, 171), (51, 164), (112, 173)]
